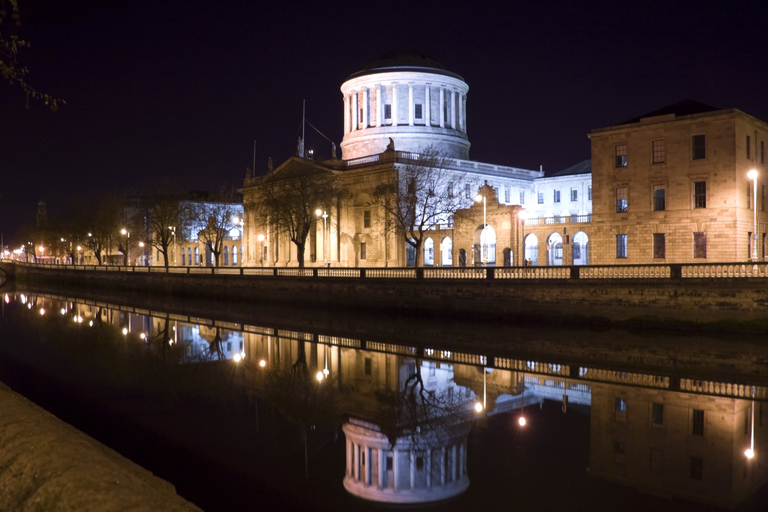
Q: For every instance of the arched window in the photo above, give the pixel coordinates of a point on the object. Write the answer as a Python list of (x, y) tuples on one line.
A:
[(234, 255), (226, 255), (429, 252), (446, 249), (197, 256)]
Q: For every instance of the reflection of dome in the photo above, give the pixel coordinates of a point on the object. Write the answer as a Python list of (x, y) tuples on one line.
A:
[(404, 473), (409, 98)]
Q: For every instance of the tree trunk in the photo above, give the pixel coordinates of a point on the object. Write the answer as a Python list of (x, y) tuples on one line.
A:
[(300, 253), (417, 256)]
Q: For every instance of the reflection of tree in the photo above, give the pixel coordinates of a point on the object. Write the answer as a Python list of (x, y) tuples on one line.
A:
[(426, 415)]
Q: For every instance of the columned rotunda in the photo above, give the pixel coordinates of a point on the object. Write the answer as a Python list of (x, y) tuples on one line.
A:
[(409, 98)]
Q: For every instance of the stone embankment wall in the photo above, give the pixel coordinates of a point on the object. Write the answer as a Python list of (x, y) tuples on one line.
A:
[(699, 300), (45, 464)]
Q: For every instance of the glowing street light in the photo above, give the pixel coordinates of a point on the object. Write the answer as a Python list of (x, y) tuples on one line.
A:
[(753, 176), (324, 215)]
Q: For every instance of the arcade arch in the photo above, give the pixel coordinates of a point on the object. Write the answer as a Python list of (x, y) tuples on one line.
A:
[(555, 250), (531, 252), (580, 248)]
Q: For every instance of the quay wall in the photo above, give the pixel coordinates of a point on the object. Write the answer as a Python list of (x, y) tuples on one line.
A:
[(691, 299)]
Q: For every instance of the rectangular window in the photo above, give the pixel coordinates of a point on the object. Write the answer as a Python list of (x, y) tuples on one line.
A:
[(620, 406), (698, 147), (389, 462), (507, 192), (557, 196), (540, 197), (657, 460), (417, 111), (657, 415), (522, 197), (363, 250), (467, 192), (589, 193), (700, 244), (621, 155), (621, 200), (658, 151), (659, 198), (368, 366), (621, 246), (659, 245), (367, 218), (696, 468), (387, 111), (700, 194), (697, 423), (749, 148), (619, 450), (574, 194)]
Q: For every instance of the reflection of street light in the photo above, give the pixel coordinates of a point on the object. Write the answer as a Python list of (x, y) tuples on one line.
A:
[(750, 452), (753, 176), (484, 256), (324, 215), (261, 249)]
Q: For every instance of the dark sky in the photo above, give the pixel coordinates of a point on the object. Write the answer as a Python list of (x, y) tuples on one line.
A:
[(181, 89)]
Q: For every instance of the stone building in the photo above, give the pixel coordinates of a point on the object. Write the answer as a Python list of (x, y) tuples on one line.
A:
[(671, 186), (396, 109)]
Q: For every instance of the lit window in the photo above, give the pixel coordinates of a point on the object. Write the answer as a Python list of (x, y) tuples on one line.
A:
[(698, 147), (700, 194), (621, 155), (574, 194), (557, 196), (659, 198), (659, 245), (658, 151), (621, 200), (540, 197), (589, 193), (621, 246), (620, 406), (700, 245)]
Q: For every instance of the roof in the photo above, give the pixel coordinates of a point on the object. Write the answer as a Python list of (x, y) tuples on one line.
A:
[(681, 108), (404, 61), (584, 167)]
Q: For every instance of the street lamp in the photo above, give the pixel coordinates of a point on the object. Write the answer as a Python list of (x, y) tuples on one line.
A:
[(261, 249), (324, 215), (753, 176), (173, 231), (483, 250)]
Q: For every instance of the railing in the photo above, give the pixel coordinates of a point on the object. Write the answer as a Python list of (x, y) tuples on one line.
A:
[(661, 271)]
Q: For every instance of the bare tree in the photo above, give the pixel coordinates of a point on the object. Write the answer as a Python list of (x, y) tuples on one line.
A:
[(164, 213), (215, 215), (288, 201), (422, 194), (10, 69)]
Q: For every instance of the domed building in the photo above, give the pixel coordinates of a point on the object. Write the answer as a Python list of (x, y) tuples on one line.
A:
[(407, 98)]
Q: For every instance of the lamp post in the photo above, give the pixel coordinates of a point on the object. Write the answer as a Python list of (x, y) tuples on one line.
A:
[(483, 251), (173, 233), (261, 249), (127, 239), (753, 176), (237, 221), (324, 215)]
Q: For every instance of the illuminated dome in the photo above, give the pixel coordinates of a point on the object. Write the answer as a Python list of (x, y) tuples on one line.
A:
[(409, 98)]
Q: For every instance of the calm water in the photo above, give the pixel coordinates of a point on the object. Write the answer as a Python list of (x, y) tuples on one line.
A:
[(275, 410)]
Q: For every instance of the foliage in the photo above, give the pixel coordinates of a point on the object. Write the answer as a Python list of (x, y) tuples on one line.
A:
[(422, 195), (287, 204), (10, 69)]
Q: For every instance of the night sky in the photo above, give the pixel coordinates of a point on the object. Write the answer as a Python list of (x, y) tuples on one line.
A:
[(182, 89)]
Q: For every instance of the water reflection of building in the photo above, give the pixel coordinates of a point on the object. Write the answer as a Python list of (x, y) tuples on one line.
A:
[(658, 431), (679, 444)]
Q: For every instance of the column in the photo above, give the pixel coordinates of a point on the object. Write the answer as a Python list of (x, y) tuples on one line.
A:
[(454, 474), (395, 469), (349, 457), (453, 110), (442, 466), (427, 106), (412, 467), (346, 114), (461, 111), (442, 107), (368, 466), (366, 104), (354, 110), (428, 467), (461, 461), (410, 104), (464, 106), (394, 103), (357, 462), (382, 467), (379, 105)]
